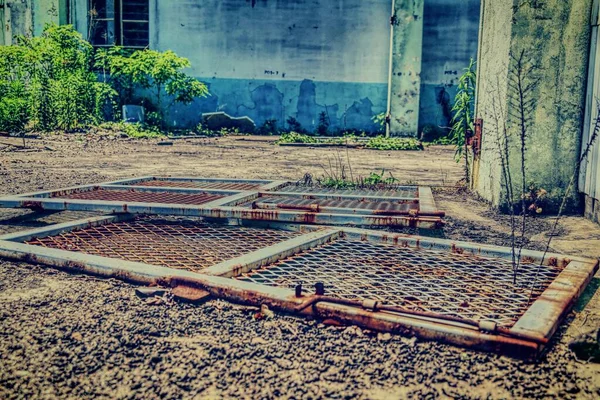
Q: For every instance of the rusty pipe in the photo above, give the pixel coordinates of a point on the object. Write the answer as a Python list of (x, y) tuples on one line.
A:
[(376, 306)]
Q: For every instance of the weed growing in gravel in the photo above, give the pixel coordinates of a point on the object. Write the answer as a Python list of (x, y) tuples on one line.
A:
[(338, 175)]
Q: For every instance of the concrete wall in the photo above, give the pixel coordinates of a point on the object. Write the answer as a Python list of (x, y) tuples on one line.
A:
[(272, 59), (450, 39), (406, 67), (28, 17), (555, 36), (45, 12), (16, 18)]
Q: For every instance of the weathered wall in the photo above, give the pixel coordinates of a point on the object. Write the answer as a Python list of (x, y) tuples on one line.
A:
[(272, 59), (555, 36), (494, 47), (450, 38), (16, 19), (48, 11), (28, 17), (406, 67)]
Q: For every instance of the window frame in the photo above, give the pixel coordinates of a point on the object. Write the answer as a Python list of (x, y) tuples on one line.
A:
[(119, 22)]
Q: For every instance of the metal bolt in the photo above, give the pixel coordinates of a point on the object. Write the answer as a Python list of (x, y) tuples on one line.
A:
[(319, 289)]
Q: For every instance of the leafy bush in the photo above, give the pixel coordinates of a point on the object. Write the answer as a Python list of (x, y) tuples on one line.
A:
[(375, 179), (160, 72), (137, 130), (201, 130), (48, 82), (294, 137), (13, 114), (383, 143)]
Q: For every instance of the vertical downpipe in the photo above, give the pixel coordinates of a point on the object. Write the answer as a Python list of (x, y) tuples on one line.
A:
[(388, 112)]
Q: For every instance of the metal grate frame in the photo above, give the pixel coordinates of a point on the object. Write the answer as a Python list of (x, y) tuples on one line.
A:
[(455, 292), (243, 199)]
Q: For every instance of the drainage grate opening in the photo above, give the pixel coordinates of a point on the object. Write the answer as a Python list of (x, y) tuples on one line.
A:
[(401, 191), (200, 184), (142, 197), (466, 286), (189, 244)]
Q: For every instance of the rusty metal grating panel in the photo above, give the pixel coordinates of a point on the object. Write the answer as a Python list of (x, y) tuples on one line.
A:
[(199, 184), (176, 243), (466, 286), (400, 206), (401, 191), (141, 196), (377, 207)]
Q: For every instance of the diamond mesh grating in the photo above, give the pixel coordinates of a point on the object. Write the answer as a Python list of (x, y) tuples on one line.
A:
[(299, 203), (170, 242), (200, 185), (407, 192), (464, 286), (142, 197)]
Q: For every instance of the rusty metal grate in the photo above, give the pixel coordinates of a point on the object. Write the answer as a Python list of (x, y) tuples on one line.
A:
[(466, 286), (142, 197), (380, 207), (199, 184), (176, 243), (403, 191)]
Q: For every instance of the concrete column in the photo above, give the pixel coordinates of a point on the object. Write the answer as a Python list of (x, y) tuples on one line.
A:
[(555, 36), (406, 67)]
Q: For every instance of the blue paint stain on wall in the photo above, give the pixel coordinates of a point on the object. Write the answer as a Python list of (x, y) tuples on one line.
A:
[(347, 105)]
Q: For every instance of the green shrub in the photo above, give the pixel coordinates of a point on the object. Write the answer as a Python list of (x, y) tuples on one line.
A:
[(54, 78), (137, 130), (14, 114), (160, 72), (294, 137), (294, 125), (392, 143)]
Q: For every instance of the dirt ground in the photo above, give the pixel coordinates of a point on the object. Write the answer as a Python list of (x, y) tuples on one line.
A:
[(73, 336)]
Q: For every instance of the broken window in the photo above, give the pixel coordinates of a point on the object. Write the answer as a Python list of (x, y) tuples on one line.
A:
[(119, 23)]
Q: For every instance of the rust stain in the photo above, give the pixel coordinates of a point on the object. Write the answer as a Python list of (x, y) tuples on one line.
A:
[(309, 218), (32, 204)]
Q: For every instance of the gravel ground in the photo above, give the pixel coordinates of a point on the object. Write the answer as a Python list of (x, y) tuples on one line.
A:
[(81, 337), (73, 336)]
